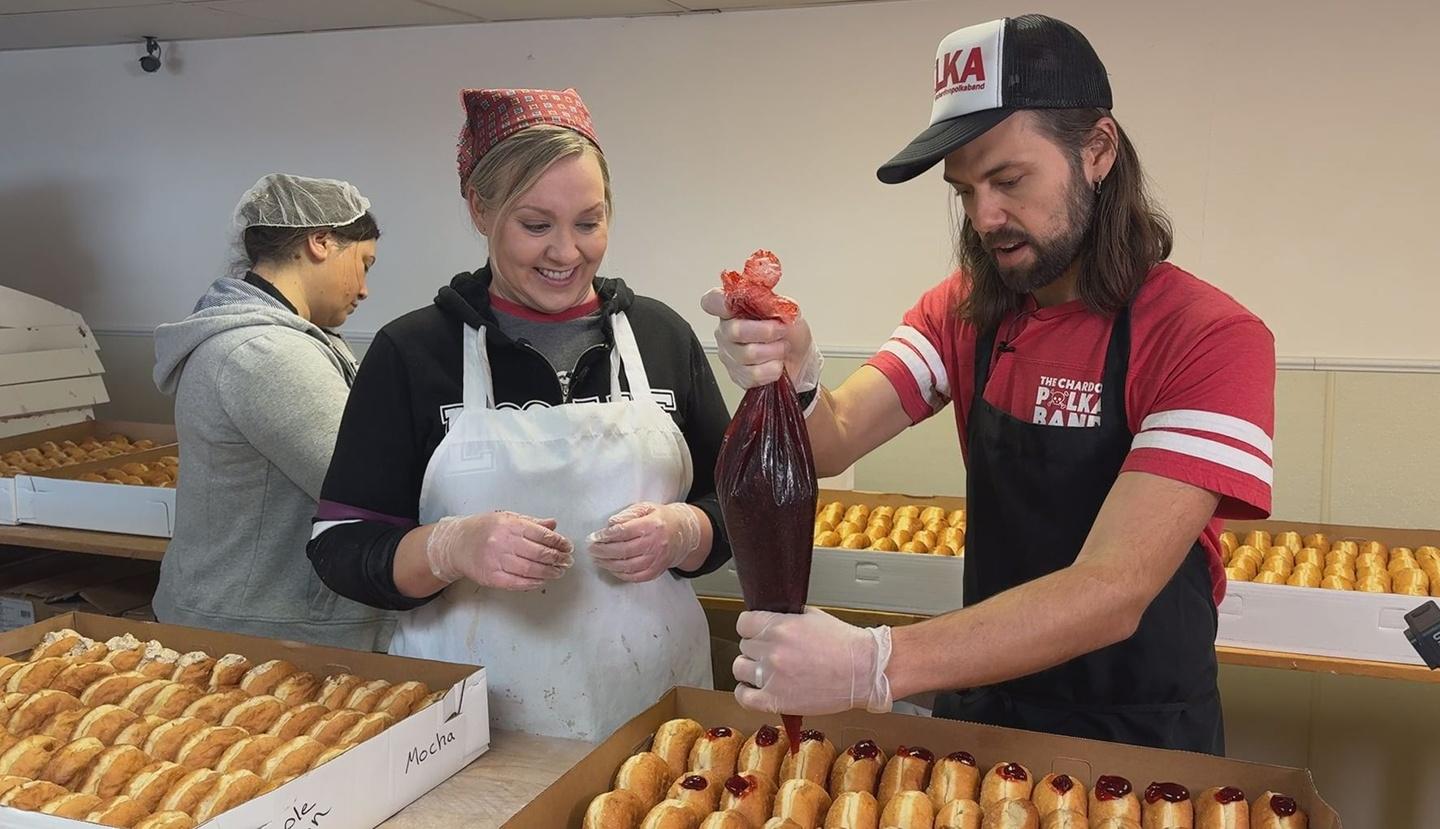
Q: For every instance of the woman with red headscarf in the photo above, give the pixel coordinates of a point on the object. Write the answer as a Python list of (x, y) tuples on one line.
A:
[(526, 464)]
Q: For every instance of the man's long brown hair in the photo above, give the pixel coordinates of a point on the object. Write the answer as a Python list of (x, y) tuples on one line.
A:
[(1128, 233)]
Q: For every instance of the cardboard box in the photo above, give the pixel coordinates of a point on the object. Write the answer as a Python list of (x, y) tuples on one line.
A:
[(357, 790), (563, 803), (926, 585), (58, 498), (48, 360), (163, 436), (40, 589)]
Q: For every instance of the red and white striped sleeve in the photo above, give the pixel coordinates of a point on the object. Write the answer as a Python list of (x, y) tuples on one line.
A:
[(1211, 423), (911, 359)]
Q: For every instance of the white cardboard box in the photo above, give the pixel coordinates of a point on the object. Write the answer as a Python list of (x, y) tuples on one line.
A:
[(48, 360), (923, 585), (361, 788), (101, 513), (1339, 623)]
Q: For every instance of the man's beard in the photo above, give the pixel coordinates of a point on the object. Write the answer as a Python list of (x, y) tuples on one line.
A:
[(1051, 257)]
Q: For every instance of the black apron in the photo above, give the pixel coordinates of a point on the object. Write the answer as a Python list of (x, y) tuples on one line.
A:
[(1033, 491)]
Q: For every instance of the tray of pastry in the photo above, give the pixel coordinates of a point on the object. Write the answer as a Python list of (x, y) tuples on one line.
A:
[(698, 761), (127, 731), (134, 494), (66, 447), (1326, 590), (874, 551)]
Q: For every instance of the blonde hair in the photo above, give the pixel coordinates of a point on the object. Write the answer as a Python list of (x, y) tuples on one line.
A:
[(513, 166)]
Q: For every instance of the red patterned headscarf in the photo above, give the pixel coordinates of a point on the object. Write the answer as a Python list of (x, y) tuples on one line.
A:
[(493, 115)]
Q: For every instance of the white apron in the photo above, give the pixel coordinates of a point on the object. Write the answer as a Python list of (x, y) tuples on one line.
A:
[(584, 654)]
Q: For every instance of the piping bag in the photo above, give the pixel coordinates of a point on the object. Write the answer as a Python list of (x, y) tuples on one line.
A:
[(765, 474)]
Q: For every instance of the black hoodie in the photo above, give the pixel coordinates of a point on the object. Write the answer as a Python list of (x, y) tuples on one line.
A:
[(410, 383)]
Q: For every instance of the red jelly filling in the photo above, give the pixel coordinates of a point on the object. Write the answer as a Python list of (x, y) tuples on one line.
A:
[(1014, 771), (864, 750), (1109, 787), (1062, 783), (1283, 806), (694, 783), (767, 736), (1229, 794), (1172, 792), (961, 757)]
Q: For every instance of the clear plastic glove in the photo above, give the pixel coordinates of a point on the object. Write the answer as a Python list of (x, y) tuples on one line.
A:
[(645, 540), (810, 663), (505, 550), (755, 351)]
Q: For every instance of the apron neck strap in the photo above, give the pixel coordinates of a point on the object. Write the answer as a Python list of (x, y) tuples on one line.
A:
[(477, 386), (625, 357)]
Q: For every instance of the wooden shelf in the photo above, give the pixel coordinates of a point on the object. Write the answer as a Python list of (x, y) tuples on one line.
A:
[(1227, 655), (85, 541)]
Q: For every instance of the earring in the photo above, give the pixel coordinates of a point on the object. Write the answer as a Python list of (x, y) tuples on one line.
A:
[(1098, 182)]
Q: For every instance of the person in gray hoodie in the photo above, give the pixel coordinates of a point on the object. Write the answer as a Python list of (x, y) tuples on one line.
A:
[(260, 382)]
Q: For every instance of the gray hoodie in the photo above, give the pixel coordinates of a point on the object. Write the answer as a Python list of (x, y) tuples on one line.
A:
[(259, 392)]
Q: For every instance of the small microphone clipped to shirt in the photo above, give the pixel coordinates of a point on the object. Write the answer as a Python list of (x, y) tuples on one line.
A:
[(1005, 347)]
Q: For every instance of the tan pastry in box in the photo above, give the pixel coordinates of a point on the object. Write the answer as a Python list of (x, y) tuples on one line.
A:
[(764, 751), (811, 761), (955, 777)]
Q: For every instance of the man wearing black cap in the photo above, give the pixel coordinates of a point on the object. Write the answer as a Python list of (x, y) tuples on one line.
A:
[(1112, 410)]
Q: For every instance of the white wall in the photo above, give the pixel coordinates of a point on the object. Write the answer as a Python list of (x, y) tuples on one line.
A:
[(1290, 140)]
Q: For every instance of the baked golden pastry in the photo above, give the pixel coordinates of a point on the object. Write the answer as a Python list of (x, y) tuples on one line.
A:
[(827, 539), (1411, 583), (330, 753), (370, 725), (174, 700), (718, 748), (955, 777), (1373, 584), (1258, 539), (367, 695), (118, 811), (86, 652), (189, 790), (1269, 577), (811, 761), (70, 761), (764, 751), (213, 707), (255, 715), (1064, 819), (298, 720), (60, 725), (1319, 541), (781, 823), (136, 733), (248, 754), (723, 820), (112, 690), (194, 668), (1341, 569), (1290, 540), (1167, 806), (647, 776), (140, 698), (124, 652), (167, 820), (700, 790), (959, 814), (907, 771), (401, 700), (1005, 781), (671, 814), (111, 770), (294, 756), (1057, 792), (805, 802), (1337, 583), (153, 782), (55, 643), (1278, 564), (751, 794), (336, 689), (297, 688), (263, 678), (204, 748), (28, 756), (166, 739), (231, 790), (614, 810), (853, 810), (272, 785), (32, 795), (1305, 575), (1011, 814), (72, 806), (1222, 808), (1310, 555), (908, 810), (857, 769), (10, 781), (30, 677), (104, 723), (331, 727), (1113, 797), (1272, 810), (42, 705), (228, 671), (158, 661)]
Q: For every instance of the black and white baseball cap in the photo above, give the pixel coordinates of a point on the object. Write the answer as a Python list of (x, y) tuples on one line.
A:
[(985, 73)]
